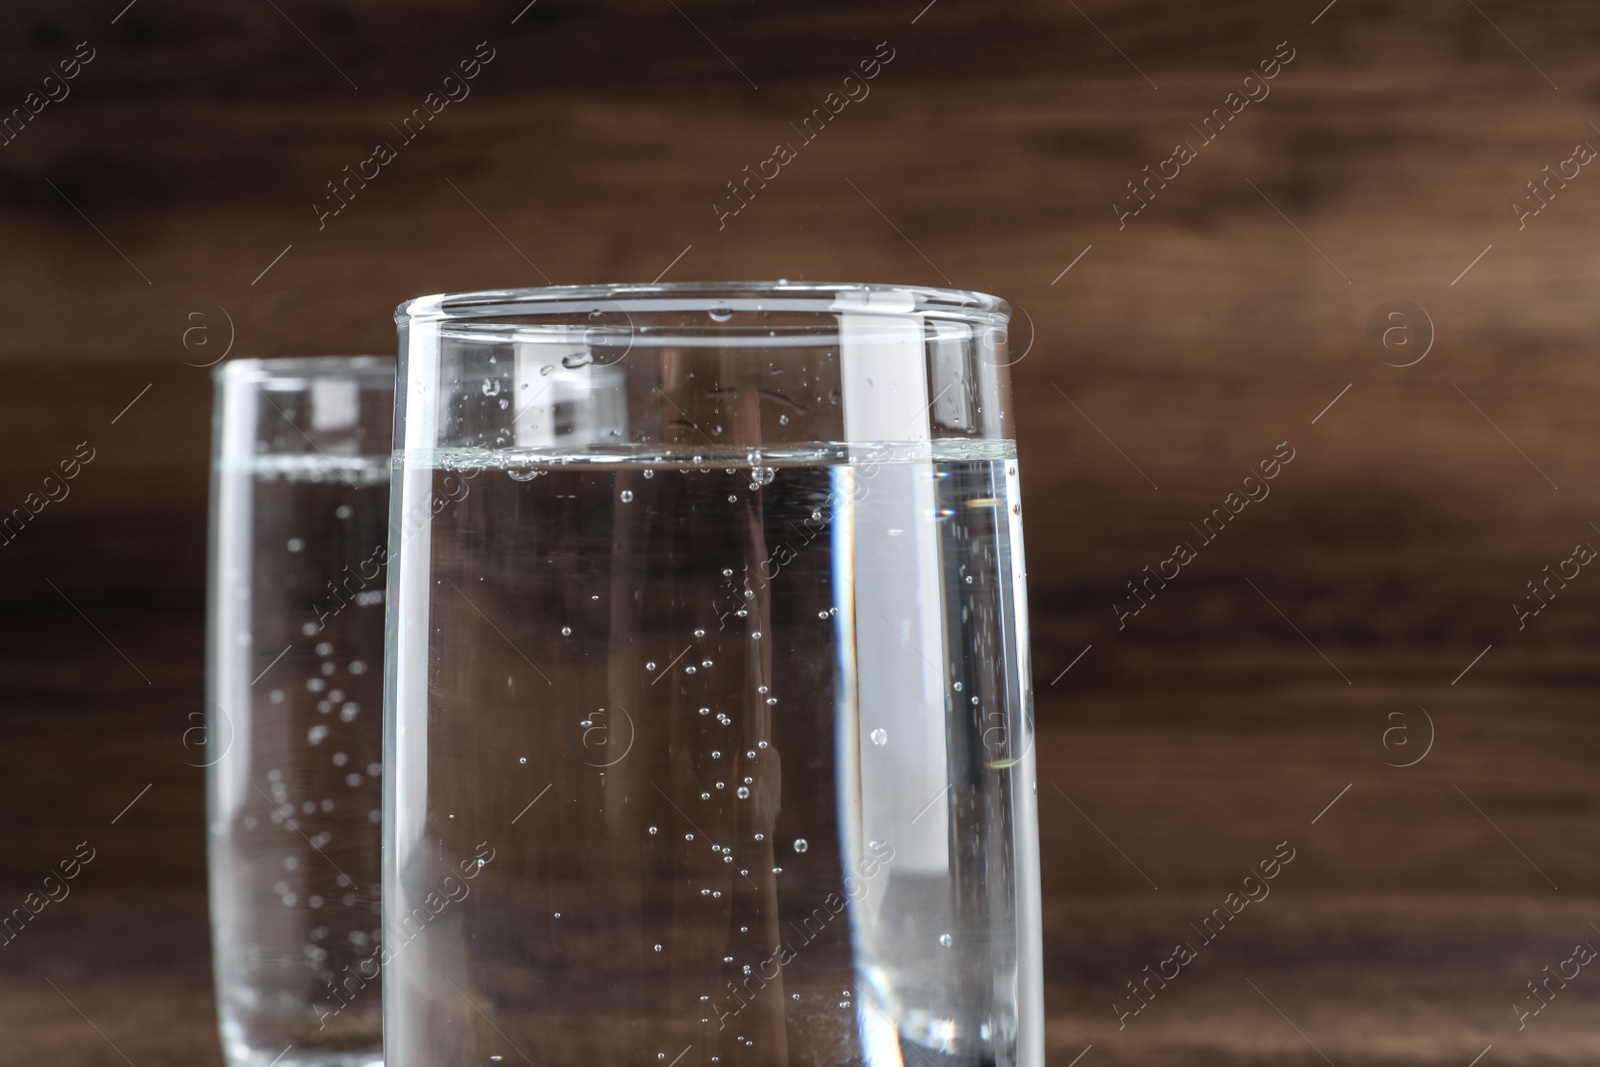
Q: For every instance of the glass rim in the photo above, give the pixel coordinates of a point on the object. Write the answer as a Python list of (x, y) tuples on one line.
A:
[(289, 368), (484, 306)]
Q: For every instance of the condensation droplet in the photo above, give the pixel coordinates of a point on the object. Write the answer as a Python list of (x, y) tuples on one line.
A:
[(946, 940), (491, 387), (295, 544), (720, 314), (880, 737), (343, 511)]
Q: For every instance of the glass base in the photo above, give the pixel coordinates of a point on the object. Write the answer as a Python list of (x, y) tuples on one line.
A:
[(249, 1057)]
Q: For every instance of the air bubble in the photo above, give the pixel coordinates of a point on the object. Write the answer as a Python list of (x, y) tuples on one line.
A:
[(491, 387), (650, 665), (705, 796), (742, 793), (720, 314), (880, 737), (705, 711), (658, 948), (946, 940), (566, 631), (649, 474), (800, 844), (627, 496), (654, 831), (699, 633), (688, 837)]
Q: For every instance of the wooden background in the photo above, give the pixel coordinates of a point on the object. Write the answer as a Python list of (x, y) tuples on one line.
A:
[(1174, 355)]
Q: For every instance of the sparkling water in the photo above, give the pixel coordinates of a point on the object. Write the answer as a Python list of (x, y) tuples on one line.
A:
[(728, 761), (295, 743)]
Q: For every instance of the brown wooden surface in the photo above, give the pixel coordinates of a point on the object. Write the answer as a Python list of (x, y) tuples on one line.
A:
[(1196, 339)]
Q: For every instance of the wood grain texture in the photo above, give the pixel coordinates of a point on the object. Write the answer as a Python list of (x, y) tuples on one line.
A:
[(1174, 356)]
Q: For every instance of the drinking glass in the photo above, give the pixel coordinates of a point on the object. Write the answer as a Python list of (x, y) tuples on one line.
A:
[(708, 714), (299, 543)]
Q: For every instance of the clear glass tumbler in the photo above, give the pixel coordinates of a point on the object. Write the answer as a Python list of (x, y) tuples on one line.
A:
[(299, 544), (708, 706)]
